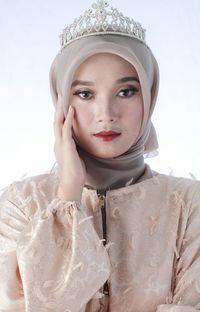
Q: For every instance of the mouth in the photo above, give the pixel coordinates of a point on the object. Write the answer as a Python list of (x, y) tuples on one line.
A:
[(107, 135)]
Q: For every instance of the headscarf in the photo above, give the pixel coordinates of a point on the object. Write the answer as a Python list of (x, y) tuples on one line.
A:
[(128, 167)]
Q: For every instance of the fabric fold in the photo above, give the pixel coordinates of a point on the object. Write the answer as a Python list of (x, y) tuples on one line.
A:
[(57, 253)]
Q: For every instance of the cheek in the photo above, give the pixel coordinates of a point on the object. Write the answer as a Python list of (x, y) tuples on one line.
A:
[(134, 116), (139, 115), (81, 120)]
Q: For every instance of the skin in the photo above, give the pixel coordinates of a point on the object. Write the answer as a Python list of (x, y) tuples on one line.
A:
[(100, 104), (106, 105)]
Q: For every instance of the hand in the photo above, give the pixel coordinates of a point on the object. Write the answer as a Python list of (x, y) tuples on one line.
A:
[(71, 168)]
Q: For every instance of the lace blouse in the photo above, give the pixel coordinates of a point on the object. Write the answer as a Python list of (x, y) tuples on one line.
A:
[(136, 249)]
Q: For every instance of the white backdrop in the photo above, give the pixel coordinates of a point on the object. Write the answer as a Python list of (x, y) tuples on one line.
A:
[(29, 42)]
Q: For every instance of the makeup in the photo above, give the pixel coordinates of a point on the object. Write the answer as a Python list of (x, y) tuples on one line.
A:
[(107, 135)]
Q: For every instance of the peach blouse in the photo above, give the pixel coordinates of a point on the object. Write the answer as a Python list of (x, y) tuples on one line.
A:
[(54, 256)]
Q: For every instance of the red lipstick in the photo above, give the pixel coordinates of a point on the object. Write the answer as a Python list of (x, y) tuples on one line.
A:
[(107, 135)]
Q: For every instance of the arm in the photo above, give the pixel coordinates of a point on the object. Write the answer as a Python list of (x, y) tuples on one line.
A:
[(57, 257), (186, 294), (12, 222)]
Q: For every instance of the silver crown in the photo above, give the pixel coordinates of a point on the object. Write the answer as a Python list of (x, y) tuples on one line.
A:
[(101, 20)]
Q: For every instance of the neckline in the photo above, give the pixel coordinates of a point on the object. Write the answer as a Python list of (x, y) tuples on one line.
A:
[(129, 188)]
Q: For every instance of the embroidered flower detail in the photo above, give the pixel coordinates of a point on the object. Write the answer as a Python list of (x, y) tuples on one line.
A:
[(197, 286), (115, 213), (98, 295), (78, 266), (155, 179), (59, 205), (130, 242), (142, 193), (153, 225), (109, 245), (85, 219), (127, 290)]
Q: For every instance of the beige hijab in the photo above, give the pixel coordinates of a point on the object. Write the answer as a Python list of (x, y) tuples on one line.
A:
[(128, 167)]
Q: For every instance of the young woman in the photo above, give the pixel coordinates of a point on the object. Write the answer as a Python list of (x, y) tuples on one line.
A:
[(103, 232)]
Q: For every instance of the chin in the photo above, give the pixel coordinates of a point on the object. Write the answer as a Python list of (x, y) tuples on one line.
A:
[(106, 154)]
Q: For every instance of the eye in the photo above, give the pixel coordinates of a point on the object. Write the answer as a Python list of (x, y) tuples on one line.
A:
[(83, 94), (128, 92)]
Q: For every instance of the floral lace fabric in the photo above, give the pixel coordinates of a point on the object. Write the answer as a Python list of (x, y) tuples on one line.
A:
[(52, 257)]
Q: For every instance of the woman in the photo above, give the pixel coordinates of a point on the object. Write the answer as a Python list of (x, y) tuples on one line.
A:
[(103, 232)]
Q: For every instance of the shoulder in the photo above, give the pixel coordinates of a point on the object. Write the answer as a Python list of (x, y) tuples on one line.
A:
[(184, 186), (180, 191), (31, 194)]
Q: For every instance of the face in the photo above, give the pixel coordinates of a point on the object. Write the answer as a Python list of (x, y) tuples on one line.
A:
[(106, 96)]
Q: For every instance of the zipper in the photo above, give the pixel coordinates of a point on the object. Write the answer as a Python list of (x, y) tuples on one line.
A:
[(102, 204)]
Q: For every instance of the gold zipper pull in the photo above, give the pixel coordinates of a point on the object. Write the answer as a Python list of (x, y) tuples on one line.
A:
[(101, 200)]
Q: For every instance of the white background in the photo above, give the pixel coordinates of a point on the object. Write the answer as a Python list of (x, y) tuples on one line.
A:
[(29, 42)]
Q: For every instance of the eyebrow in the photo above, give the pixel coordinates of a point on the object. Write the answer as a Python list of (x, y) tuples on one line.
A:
[(126, 79), (89, 83)]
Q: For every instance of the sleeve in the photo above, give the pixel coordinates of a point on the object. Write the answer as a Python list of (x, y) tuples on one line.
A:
[(186, 294), (12, 222), (53, 262)]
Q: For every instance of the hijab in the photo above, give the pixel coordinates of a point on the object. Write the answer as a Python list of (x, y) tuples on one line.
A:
[(128, 168)]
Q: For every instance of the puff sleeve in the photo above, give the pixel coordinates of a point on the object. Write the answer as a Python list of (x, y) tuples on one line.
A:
[(186, 293), (53, 261), (12, 223)]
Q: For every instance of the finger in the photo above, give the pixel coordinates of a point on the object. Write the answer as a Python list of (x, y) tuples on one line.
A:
[(67, 129), (60, 110), (59, 118)]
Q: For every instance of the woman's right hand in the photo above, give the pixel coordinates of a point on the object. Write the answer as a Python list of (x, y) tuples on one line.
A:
[(71, 168)]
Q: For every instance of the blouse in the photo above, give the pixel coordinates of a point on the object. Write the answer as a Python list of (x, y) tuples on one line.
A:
[(132, 249)]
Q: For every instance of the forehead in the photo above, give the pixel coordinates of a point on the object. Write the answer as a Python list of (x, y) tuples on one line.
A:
[(105, 62)]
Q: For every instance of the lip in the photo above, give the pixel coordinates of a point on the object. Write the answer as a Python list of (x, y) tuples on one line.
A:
[(107, 135)]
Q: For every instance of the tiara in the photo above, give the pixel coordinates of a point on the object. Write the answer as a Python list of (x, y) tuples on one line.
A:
[(101, 20)]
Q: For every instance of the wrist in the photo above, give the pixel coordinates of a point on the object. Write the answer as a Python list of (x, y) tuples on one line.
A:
[(69, 195)]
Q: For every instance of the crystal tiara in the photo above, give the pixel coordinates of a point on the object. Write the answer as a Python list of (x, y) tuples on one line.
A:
[(101, 20)]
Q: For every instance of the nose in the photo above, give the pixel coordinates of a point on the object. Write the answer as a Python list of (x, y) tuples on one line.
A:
[(105, 111)]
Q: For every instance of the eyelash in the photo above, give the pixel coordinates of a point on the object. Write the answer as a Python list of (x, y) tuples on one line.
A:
[(133, 89)]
